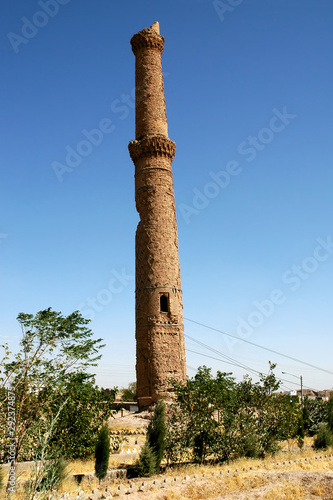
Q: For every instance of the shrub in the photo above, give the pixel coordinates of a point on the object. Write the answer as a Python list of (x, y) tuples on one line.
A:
[(330, 413), (147, 461), (324, 438), (102, 453), (54, 472), (300, 433), (218, 418), (156, 433)]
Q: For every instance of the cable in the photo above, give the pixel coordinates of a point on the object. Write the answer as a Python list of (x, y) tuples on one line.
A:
[(261, 347), (233, 361)]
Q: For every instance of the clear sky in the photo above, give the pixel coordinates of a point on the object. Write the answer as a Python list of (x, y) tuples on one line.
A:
[(249, 100)]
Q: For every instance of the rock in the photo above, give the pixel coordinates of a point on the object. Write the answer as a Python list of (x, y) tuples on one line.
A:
[(144, 486), (133, 488), (165, 482), (120, 491)]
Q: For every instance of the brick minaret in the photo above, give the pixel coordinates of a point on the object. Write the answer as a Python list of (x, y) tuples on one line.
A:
[(160, 349)]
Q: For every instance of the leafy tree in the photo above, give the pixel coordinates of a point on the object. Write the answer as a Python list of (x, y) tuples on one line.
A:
[(193, 427), (330, 413), (102, 453), (324, 438), (52, 346), (221, 419), (317, 414), (49, 468), (156, 433), (300, 431), (86, 408), (129, 394), (306, 414)]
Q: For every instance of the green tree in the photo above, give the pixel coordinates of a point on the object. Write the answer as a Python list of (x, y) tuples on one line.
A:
[(52, 346), (300, 431), (330, 413), (193, 425), (221, 419), (86, 408), (49, 468), (324, 438), (129, 394), (156, 433), (146, 465), (317, 414), (102, 453)]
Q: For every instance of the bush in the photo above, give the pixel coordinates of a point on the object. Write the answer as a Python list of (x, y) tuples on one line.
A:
[(156, 433), (324, 438), (330, 413), (300, 433), (250, 448), (54, 472), (218, 418), (147, 461), (102, 453)]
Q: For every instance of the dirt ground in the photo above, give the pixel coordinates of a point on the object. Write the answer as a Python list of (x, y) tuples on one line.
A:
[(269, 485)]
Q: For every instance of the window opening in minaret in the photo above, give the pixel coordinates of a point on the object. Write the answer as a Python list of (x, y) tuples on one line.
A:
[(164, 306)]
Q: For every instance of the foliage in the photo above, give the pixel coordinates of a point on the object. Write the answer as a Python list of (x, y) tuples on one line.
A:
[(129, 394), (116, 440), (102, 453), (316, 413), (193, 428), (330, 413), (49, 468), (324, 438), (222, 419), (146, 465), (300, 431), (86, 408), (1, 479), (156, 433), (53, 349)]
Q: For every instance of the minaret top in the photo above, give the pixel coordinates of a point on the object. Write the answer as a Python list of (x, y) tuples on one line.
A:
[(156, 27), (150, 112)]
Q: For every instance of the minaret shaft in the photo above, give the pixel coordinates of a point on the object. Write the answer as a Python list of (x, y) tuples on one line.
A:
[(159, 316)]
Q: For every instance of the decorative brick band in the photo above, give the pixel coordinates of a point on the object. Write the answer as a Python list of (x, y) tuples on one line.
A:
[(147, 38), (154, 146)]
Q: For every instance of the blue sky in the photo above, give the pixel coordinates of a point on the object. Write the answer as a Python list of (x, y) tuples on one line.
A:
[(249, 101)]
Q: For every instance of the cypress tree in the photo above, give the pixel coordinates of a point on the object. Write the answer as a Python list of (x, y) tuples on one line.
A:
[(147, 461), (156, 433), (102, 453), (330, 413)]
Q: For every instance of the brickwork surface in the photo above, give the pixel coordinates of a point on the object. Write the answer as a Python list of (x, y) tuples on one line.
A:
[(159, 317)]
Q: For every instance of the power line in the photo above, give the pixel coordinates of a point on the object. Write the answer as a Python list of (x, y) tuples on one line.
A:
[(261, 347), (232, 361)]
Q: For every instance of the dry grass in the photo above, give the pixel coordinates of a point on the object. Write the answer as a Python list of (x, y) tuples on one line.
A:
[(287, 491), (288, 460)]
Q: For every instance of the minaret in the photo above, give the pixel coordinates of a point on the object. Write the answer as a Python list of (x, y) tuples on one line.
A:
[(160, 348)]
